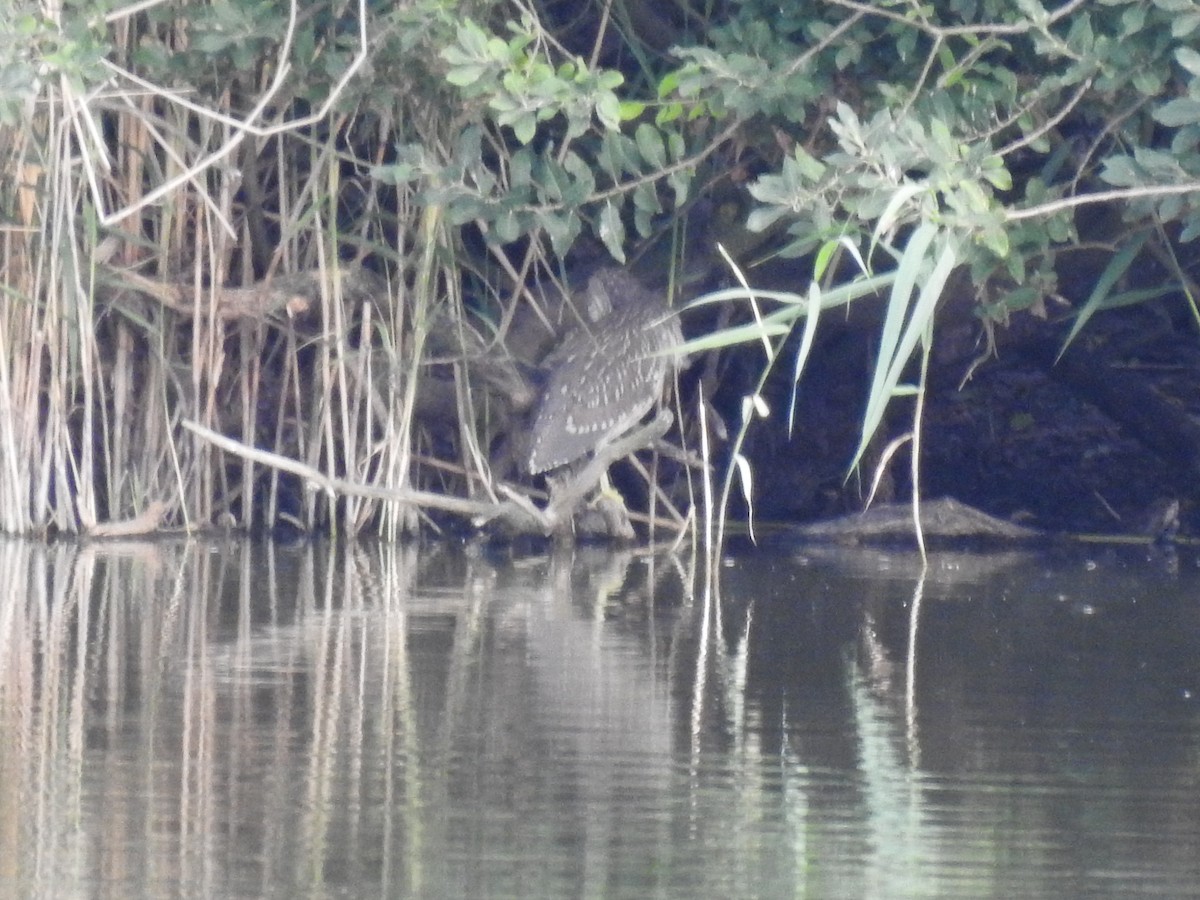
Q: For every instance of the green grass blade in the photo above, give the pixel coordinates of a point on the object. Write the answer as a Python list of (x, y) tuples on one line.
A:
[(1099, 298), (900, 332)]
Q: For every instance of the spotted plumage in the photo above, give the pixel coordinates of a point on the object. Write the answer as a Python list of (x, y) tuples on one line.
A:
[(605, 376)]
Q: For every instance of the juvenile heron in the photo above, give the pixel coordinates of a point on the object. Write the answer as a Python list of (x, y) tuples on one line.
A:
[(606, 374)]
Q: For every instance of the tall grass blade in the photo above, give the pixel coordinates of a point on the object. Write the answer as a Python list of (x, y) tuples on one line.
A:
[(906, 321), (1101, 296)]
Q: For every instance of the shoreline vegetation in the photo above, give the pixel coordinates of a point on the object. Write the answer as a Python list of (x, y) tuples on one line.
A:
[(268, 266)]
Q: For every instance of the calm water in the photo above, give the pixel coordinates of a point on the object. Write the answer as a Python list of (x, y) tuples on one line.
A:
[(240, 720)]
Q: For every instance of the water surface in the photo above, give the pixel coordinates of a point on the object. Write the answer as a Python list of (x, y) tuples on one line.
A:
[(244, 720)]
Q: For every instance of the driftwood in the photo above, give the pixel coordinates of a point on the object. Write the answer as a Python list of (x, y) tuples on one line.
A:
[(293, 296), (517, 512), (147, 522), (523, 516), (945, 519)]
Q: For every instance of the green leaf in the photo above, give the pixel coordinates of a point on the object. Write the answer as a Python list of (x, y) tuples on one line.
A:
[(583, 181), (1134, 18), (763, 217), (669, 84), (823, 258), (525, 127), (1149, 81), (771, 189), (520, 169), (940, 132), (1170, 208), (612, 231), (645, 198), (806, 345), (507, 228), (397, 173), (497, 50), (1189, 59), (668, 113), (1060, 229), (1182, 26), (502, 103), (610, 80), (1159, 164), (562, 230), (1180, 111), (998, 176), (643, 222), (1120, 171), (809, 167), (456, 57), (1014, 263), (632, 109), (462, 76), (551, 177), (946, 56), (676, 146), (1173, 6), (608, 111), (896, 202), (514, 83), (907, 320), (650, 145), (680, 181), (472, 38), (996, 240)]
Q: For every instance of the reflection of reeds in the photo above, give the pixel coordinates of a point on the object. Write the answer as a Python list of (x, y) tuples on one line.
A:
[(137, 748), (184, 721)]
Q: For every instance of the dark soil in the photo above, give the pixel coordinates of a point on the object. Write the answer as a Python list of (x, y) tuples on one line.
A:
[(1097, 442)]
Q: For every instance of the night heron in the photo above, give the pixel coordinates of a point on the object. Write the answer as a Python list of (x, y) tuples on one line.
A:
[(607, 373)]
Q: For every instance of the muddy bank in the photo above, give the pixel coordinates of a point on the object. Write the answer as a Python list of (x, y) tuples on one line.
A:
[(1101, 439)]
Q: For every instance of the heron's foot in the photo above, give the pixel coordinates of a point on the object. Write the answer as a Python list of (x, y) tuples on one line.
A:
[(606, 516), (575, 510)]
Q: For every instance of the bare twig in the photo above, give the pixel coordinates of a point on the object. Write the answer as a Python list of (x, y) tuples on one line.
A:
[(1133, 193), (522, 516), (943, 31), (245, 126)]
